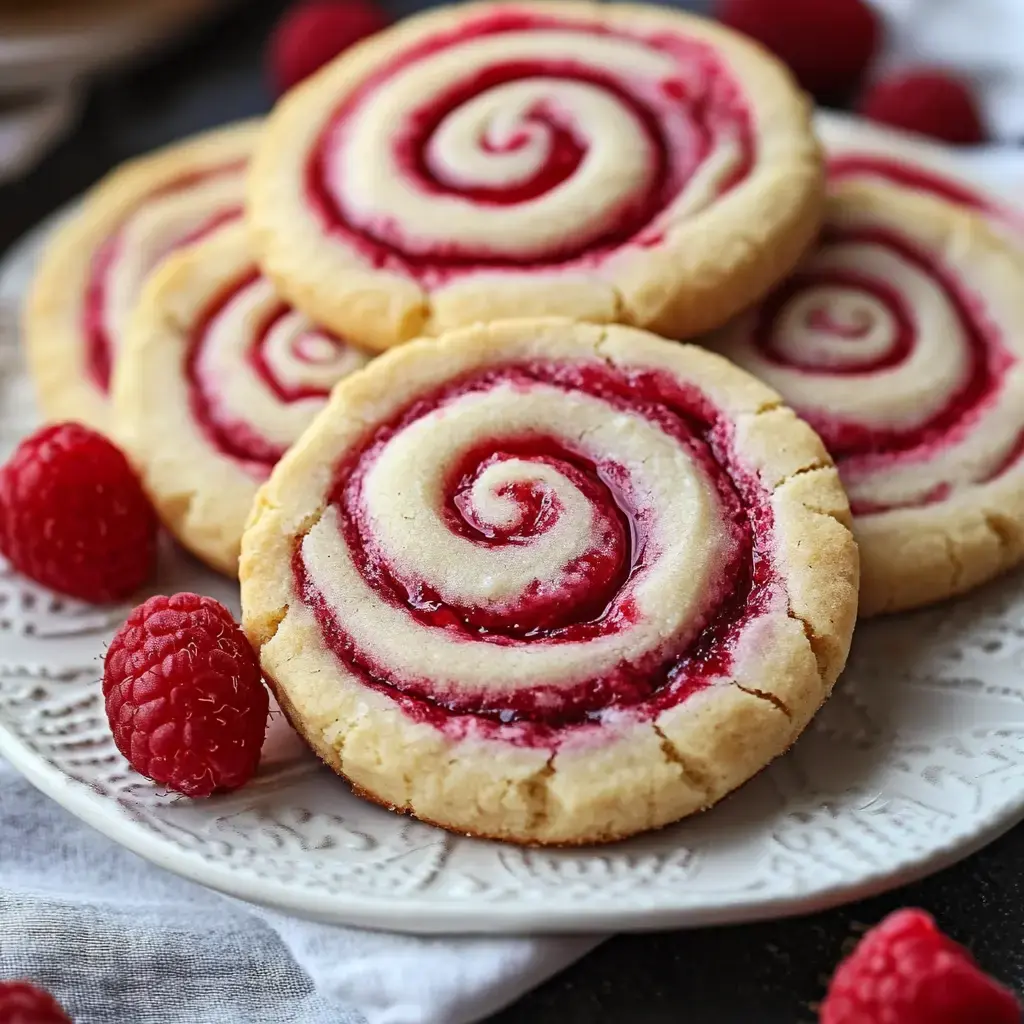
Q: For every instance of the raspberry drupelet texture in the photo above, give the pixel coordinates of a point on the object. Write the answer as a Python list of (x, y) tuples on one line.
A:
[(827, 44), (313, 33), (905, 971), (184, 695), (927, 101), (21, 1002), (74, 517)]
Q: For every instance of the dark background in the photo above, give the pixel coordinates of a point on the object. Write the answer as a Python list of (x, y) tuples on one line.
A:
[(755, 974)]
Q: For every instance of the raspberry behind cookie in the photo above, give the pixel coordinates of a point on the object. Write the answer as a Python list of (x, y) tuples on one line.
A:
[(827, 44), (312, 33), (929, 101)]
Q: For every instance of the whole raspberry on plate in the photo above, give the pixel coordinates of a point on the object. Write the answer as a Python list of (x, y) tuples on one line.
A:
[(313, 33), (905, 970), (184, 695), (21, 1002), (828, 44), (927, 101), (74, 517)]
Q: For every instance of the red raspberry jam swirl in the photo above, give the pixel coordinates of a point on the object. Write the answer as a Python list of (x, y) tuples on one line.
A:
[(851, 166), (258, 372), (595, 596), (101, 321), (893, 360), (525, 141)]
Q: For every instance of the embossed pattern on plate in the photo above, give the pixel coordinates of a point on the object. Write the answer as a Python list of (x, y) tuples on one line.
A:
[(917, 760)]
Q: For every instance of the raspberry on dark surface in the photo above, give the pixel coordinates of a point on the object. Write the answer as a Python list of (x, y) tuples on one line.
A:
[(74, 517), (827, 44), (905, 970), (927, 101), (184, 695), (21, 1002), (313, 33)]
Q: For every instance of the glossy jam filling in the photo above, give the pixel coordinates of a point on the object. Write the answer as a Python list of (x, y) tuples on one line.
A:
[(988, 358), (682, 118), (590, 581), (603, 604), (910, 176), (227, 433), (100, 347)]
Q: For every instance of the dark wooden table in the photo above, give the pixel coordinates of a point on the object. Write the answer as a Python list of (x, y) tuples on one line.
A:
[(755, 974)]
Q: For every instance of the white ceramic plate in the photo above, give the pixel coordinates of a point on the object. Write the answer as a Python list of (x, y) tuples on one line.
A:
[(917, 760)]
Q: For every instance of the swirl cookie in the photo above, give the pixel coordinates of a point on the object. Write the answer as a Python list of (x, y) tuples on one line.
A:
[(600, 161), (94, 268), (861, 151), (551, 582), (218, 377), (900, 340)]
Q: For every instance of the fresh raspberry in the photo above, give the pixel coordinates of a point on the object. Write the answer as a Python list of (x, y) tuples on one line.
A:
[(828, 44), (73, 515), (927, 101), (21, 1002), (313, 33), (906, 970), (184, 696)]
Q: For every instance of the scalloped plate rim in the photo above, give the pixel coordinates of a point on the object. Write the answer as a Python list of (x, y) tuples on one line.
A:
[(454, 916)]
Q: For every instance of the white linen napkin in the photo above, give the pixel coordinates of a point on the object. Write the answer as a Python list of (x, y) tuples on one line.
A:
[(121, 942)]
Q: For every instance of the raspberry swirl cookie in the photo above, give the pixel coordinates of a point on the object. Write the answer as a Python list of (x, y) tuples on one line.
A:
[(601, 161), (861, 151), (551, 582), (94, 269), (217, 378), (900, 340)]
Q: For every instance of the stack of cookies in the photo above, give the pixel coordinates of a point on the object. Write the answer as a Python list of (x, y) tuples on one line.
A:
[(557, 396)]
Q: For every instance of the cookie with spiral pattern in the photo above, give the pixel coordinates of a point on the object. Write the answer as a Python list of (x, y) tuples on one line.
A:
[(606, 162), (551, 582), (900, 338), (97, 263), (216, 379)]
